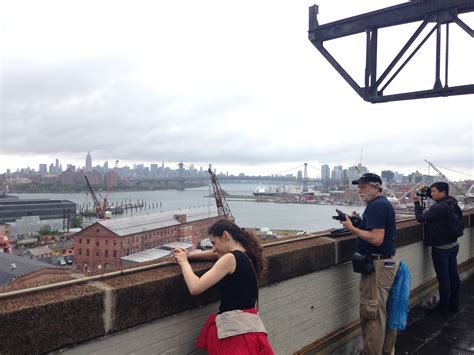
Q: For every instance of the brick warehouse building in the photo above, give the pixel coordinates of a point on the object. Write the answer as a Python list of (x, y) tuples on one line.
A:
[(103, 243)]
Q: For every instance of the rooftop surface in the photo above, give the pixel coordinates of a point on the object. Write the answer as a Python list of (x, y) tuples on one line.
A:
[(138, 224), (23, 266), (433, 334)]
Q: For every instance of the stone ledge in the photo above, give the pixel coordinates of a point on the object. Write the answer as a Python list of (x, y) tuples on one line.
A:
[(41, 322), (77, 313)]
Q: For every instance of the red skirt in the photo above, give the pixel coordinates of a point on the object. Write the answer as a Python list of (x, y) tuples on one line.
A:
[(243, 344)]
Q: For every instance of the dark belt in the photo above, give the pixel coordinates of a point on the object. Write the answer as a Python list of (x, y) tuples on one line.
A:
[(380, 256)]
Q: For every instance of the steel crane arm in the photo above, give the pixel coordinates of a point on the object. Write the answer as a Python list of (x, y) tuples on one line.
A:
[(91, 190), (406, 194), (221, 203), (99, 210), (438, 171), (444, 176)]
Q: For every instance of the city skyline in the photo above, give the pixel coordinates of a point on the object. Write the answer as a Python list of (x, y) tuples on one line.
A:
[(246, 98), (324, 171)]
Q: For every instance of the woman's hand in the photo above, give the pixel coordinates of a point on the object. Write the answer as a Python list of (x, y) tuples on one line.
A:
[(180, 256)]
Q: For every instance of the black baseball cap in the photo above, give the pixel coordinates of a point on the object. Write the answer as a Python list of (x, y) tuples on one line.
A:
[(366, 178)]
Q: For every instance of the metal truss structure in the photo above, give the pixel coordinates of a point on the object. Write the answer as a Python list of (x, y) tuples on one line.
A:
[(431, 13)]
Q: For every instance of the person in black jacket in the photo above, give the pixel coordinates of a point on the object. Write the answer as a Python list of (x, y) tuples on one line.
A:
[(444, 245)]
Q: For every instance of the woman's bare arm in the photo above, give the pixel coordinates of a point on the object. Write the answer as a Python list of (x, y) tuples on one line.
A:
[(198, 285), (207, 255)]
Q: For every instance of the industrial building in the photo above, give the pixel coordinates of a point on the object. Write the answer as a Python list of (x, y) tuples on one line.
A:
[(103, 244), (27, 215)]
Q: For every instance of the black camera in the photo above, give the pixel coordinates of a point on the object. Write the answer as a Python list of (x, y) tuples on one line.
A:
[(424, 192), (341, 216)]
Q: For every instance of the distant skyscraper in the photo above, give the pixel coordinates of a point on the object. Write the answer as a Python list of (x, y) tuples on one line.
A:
[(415, 177), (88, 162), (43, 169), (57, 166), (336, 173), (398, 177), (387, 175), (299, 175), (325, 172), (106, 166)]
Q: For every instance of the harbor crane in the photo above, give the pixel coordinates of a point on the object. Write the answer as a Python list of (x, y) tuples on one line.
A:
[(444, 176), (97, 205), (407, 194), (221, 202), (101, 205)]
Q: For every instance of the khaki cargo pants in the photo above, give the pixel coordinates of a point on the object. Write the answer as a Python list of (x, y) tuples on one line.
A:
[(374, 289)]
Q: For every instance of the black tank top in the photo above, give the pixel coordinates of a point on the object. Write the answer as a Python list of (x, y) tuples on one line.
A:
[(239, 289)]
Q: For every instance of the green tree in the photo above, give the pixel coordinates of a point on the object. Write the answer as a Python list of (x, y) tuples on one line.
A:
[(45, 229), (78, 222)]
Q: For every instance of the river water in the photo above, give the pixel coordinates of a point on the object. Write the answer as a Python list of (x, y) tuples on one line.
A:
[(253, 214)]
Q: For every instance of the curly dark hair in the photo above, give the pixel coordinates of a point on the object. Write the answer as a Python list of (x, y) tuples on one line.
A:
[(246, 238)]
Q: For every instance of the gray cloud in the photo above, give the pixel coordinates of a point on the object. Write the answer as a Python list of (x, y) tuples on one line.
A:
[(236, 97)]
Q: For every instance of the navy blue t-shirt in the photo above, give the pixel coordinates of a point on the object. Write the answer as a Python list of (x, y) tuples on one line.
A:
[(379, 214)]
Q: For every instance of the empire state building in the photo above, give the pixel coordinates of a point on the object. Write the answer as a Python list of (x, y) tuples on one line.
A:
[(88, 162)]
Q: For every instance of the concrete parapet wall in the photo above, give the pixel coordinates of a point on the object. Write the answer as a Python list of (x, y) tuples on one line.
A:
[(51, 319), (308, 292)]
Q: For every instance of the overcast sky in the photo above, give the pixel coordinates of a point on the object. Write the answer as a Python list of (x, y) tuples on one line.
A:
[(235, 84)]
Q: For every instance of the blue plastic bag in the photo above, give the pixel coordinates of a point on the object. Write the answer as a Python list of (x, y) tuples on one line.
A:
[(398, 302)]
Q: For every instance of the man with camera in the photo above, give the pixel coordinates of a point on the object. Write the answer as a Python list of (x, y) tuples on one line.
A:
[(375, 260), (443, 225)]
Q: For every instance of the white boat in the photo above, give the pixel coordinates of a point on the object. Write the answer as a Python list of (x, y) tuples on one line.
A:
[(291, 190)]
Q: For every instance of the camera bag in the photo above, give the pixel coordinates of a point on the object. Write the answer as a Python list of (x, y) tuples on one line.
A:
[(363, 264)]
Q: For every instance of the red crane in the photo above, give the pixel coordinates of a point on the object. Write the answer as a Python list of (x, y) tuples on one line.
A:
[(101, 206), (97, 205), (221, 203)]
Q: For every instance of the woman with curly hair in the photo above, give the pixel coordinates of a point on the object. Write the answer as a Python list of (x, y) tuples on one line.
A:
[(237, 328)]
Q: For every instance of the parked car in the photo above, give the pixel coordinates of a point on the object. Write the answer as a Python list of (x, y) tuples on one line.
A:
[(68, 260), (61, 262)]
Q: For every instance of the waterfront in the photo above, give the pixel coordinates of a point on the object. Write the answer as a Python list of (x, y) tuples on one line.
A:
[(308, 217)]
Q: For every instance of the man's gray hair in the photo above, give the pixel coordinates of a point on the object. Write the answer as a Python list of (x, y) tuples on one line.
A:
[(376, 185)]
